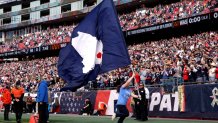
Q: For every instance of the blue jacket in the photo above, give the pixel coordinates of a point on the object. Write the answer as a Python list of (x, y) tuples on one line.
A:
[(42, 93)]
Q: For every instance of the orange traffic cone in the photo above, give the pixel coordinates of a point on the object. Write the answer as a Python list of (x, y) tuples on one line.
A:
[(34, 118)]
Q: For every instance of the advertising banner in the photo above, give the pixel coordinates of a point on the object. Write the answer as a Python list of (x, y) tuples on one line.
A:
[(192, 101)]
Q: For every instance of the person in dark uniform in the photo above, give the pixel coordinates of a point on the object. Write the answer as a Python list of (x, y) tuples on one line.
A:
[(142, 103), (87, 108), (137, 105), (17, 94)]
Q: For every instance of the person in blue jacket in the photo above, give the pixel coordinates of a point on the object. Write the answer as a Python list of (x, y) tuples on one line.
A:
[(124, 94), (42, 100)]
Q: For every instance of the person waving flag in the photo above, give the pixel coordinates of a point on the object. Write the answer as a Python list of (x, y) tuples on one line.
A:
[(97, 46)]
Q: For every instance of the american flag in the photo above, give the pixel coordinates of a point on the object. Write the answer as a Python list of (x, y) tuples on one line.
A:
[(74, 102)]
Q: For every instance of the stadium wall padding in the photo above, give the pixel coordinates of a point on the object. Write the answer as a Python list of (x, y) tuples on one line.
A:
[(192, 101)]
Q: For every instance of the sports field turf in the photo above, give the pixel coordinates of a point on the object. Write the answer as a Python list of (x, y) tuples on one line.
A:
[(96, 119)]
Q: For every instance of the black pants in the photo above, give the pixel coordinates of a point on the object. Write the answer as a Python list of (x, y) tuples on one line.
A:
[(12, 108), (86, 110), (34, 106), (142, 111), (43, 112), (30, 109), (137, 111), (6, 112), (18, 109), (122, 112), (47, 114)]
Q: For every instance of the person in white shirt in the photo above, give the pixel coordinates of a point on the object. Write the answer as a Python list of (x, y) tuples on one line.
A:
[(143, 75), (212, 73)]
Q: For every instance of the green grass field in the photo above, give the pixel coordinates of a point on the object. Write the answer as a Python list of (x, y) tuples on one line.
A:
[(96, 119)]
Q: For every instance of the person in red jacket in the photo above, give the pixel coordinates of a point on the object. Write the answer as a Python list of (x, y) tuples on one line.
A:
[(6, 98), (216, 71), (186, 74)]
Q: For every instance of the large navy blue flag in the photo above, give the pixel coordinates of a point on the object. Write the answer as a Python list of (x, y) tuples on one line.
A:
[(97, 46)]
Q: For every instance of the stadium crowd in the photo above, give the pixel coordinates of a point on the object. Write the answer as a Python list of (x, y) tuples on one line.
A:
[(43, 38), (165, 13), (30, 72), (139, 18), (191, 58)]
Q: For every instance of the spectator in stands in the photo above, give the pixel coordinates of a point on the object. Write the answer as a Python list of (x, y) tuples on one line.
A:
[(164, 13), (37, 39), (148, 78), (212, 74), (199, 73), (160, 59), (142, 74), (205, 73), (216, 73), (136, 19), (186, 73)]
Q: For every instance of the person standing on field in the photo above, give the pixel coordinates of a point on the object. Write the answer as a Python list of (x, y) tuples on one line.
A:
[(42, 100), (17, 96), (6, 99)]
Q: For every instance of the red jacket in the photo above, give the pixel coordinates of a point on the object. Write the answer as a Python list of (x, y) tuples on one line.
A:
[(6, 97), (137, 77), (185, 74), (216, 72)]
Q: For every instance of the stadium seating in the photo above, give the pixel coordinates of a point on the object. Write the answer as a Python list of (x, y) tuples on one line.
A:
[(46, 37), (139, 18), (164, 13), (158, 60), (176, 62)]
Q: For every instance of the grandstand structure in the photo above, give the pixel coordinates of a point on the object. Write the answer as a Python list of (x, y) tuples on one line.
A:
[(20, 18)]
